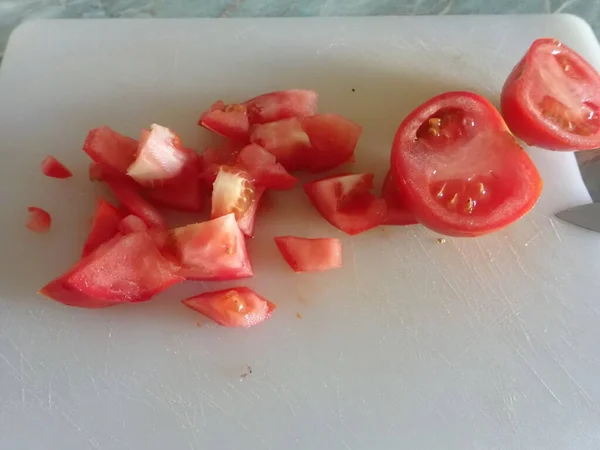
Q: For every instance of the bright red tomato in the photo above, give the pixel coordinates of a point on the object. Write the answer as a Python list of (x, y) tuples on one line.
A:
[(233, 307), (39, 220), (230, 121), (131, 224), (286, 139), (264, 168), (397, 209), (125, 269), (213, 250), (52, 167), (280, 105), (552, 98), (115, 151), (460, 170), (127, 193), (333, 140), (104, 226), (347, 203), (310, 255)]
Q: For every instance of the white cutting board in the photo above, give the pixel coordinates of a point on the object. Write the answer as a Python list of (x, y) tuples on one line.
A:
[(488, 343)]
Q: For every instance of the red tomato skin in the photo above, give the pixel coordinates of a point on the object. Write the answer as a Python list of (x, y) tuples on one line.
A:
[(397, 210), (104, 226), (39, 220), (265, 169), (113, 149), (527, 126), (53, 168), (310, 255), (333, 139), (230, 121), (493, 121), (279, 105), (223, 307), (126, 192)]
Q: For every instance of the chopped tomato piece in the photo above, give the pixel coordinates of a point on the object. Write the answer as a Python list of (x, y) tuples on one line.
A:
[(131, 224), (233, 307), (458, 168), (286, 139), (52, 167), (213, 250), (246, 223), (39, 220), (234, 192), (126, 192), (333, 140), (213, 158), (115, 151), (230, 121), (264, 168), (280, 105), (160, 156), (104, 226), (310, 255), (397, 209), (552, 98), (347, 203), (125, 269)]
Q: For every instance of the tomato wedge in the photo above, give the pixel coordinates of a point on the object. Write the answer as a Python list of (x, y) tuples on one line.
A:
[(52, 167), (233, 307), (347, 203), (104, 226), (459, 169), (125, 269), (551, 99), (39, 220), (131, 224), (264, 168), (280, 105), (115, 151), (126, 192), (310, 255), (333, 139), (397, 209), (230, 121), (213, 250), (286, 139)]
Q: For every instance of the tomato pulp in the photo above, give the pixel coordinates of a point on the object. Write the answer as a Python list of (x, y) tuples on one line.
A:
[(459, 169)]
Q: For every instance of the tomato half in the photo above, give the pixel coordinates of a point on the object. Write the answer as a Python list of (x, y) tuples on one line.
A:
[(115, 151), (212, 250), (459, 169), (230, 121), (347, 203), (264, 168), (52, 167), (234, 307), (281, 105), (39, 220), (310, 255), (397, 209), (551, 99), (127, 193), (104, 226)]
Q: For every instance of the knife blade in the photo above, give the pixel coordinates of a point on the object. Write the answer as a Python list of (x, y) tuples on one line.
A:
[(584, 216)]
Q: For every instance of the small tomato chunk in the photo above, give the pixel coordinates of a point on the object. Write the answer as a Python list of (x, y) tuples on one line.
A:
[(53, 168), (105, 225), (264, 168), (39, 220), (281, 105), (310, 255)]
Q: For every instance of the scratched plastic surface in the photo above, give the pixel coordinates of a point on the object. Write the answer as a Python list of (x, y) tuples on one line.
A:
[(487, 343)]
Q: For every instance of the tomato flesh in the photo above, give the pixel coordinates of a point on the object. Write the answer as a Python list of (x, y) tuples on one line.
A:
[(131, 224), (551, 99), (279, 105), (397, 209), (347, 203), (115, 151), (39, 220), (234, 307), (264, 168), (127, 193), (233, 192), (104, 226), (53, 168), (459, 169), (310, 255), (230, 121)]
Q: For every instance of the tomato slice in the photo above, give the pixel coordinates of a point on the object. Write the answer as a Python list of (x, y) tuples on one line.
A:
[(347, 203), (230, 121), (125, 269), (459, 169), (233, 307), (286, 139), (131, 224), (264, 168), (213, 250), (234, 192), (280, 105), (333, 140), (52, 167), (126, 192), (104, 226), (398, 212), (551, 99), (115, 151), (310, 255), (39, 220)]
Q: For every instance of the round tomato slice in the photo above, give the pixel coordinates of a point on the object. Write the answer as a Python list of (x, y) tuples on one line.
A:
[(551, 99), (459, 169)]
